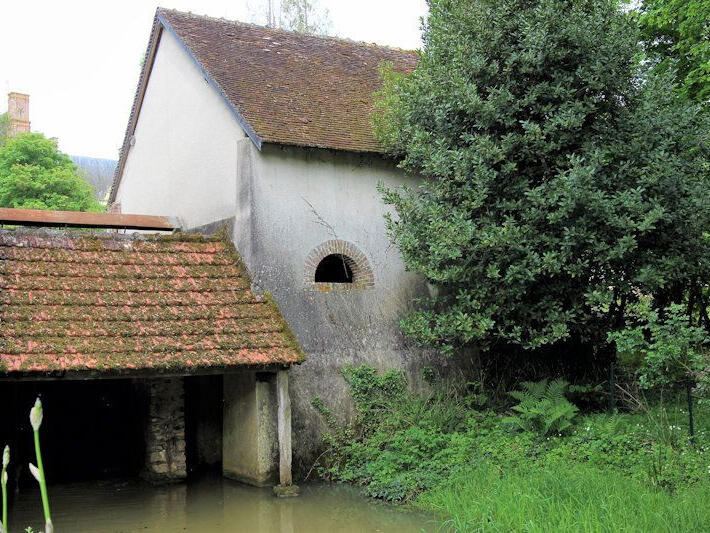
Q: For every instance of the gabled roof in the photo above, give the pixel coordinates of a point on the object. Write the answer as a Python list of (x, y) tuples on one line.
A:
[(76, 302), (283, 87)]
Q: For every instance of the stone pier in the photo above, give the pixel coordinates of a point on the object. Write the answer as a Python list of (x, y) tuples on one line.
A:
[(165, 430)]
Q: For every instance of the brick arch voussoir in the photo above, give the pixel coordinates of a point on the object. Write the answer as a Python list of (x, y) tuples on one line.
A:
[(363, 277)]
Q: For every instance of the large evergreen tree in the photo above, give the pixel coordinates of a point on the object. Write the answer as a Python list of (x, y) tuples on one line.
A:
[(559, 180)]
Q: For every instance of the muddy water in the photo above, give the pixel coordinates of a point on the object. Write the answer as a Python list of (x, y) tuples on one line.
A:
[(208, 505)]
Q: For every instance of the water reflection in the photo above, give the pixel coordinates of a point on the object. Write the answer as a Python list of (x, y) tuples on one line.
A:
[(208, 505)]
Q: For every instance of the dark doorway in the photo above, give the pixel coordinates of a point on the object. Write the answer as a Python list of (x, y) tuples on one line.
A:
[(90, 429), (203, 423), (334, 268)]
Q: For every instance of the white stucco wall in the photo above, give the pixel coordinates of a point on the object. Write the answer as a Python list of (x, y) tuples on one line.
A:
[(183, 162), (303, 197)]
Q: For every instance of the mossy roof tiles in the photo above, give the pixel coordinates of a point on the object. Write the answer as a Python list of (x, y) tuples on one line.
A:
[(75, 302)]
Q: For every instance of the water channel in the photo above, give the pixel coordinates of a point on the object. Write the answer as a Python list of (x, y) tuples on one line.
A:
[(210, 504)]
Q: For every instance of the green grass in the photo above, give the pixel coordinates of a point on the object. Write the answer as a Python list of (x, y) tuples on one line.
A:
[(446, 452), (563, 497)]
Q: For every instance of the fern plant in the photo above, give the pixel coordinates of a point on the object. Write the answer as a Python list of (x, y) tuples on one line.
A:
[(543, 407)]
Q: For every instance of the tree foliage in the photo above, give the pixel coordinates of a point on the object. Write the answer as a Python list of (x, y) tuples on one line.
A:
[(34, 174), (674, 350), (559, 179), (4, 128), (677, 38), (303, 16)]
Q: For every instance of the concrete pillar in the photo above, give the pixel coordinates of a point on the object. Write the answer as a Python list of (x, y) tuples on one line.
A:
[(249, 437), (165, 431)]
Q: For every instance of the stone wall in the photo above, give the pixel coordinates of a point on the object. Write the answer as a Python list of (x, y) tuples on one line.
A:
[(165, 430)]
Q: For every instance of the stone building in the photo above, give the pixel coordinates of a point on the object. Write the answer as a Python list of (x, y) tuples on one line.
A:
[(18, 112), (151, 352), (271, 132)]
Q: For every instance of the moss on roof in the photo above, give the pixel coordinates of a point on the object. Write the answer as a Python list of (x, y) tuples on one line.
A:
[(71, 301)]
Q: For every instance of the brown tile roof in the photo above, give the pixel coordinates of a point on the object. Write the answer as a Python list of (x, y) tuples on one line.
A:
[(284, 87), (118, 304)]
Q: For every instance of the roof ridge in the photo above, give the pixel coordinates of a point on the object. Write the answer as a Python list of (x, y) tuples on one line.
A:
[(287, 32)]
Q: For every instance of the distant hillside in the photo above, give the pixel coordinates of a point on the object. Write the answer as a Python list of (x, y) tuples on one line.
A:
[(98, 172)]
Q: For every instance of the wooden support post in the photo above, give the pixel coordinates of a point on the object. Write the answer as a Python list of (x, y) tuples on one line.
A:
[(284, 427), (283, 401)]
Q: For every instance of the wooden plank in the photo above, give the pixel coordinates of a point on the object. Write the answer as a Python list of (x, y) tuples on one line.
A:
[(284, 427), (80, 219), (82, 375)]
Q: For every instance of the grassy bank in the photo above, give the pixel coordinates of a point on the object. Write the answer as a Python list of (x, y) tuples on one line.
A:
[(449, 453), (562, 497)]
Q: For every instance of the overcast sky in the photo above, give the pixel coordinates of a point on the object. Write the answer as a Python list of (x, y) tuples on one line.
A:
[(79, 60)]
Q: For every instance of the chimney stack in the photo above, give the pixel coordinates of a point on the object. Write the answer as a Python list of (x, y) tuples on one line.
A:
[(18, 110)]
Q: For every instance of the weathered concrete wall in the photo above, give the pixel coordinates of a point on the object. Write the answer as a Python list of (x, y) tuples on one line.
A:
[(164, 430), (183, 162), (249, 429), (294, 200)]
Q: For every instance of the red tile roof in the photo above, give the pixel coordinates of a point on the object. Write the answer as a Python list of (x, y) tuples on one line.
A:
[(284, 87), (292, 88), (74, 302)]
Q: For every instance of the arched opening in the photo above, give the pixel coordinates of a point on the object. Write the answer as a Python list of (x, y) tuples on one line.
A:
[(334, 268), (337, 266)]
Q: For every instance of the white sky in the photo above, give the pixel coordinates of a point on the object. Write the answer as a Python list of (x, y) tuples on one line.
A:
[(79, 60)]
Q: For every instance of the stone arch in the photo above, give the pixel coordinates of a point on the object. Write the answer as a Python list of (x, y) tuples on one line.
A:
[(357, 263)]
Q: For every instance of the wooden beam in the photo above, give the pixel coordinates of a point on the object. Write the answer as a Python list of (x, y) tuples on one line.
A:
[(80, 219), (83, 375), (284, 428)]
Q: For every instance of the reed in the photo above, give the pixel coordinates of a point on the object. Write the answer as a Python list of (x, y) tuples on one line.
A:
[(3, 482), (36, 415)]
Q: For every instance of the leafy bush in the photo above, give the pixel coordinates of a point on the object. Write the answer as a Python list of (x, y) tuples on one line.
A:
[(673, 349), (543, 407), (400, 443)]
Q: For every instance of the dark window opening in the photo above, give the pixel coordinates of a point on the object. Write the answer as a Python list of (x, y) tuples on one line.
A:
[(334, 268)]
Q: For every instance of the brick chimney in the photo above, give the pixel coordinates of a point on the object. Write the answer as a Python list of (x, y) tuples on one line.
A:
[(18, 110)]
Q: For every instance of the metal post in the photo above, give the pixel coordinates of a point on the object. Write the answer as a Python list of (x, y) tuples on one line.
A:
[(691, 426), (612, 387)]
